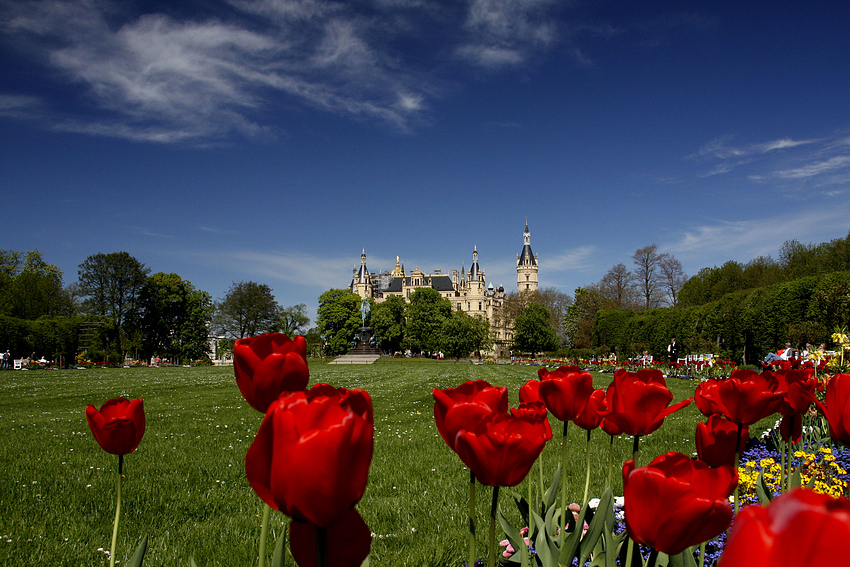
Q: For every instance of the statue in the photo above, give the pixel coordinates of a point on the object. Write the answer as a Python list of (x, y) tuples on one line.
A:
[(365, 311)]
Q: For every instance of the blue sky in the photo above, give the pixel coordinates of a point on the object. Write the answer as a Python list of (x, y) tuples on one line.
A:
[(273, 140)]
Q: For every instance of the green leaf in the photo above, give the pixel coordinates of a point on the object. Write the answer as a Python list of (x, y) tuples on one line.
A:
[(515, 539), (547, 549), (280, 550), (551, 494), (762, 490), (796, 480), (573, 540), (596, 525), (139, 555), (366, 561), (192, 562)]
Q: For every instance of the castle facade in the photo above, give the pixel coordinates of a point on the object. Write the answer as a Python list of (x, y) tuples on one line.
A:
[(467, 291)]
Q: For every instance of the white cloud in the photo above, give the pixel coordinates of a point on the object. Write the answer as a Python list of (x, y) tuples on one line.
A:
[(743, 240), (165, 80), (818, 168), (574, 260), (504, 33)]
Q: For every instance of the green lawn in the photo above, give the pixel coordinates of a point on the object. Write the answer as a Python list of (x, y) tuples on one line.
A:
[(185, 485)]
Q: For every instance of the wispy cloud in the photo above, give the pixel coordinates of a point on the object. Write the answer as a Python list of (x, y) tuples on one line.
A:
[(165, 80), (320, 272), (577, 259), (818, 168), (505, 33), (744, 240), (721, 149)]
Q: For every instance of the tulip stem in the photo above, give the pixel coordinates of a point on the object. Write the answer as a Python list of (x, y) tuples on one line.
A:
[(117, 512), (321, 546), (564, 520), (471, 562), (630, 552), (264, 533), (491, 540), (737, 463), (610, 460), (702, 554), (636, 449), (530, 507), (782, 475), (587, 473)]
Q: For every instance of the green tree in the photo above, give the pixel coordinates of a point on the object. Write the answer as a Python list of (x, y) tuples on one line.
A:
[(338, 318), (110, 284), (249, 309), (388, 322), (30, 287), (293, 320), (462, 334), (533, 331), (174, 318), (425, 316)]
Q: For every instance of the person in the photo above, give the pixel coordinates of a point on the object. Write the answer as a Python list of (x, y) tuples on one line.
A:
[(6, 357), (673, 350), (781, 354)]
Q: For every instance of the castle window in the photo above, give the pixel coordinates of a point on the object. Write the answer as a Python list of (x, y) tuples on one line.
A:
[(526, 277), (479, 306)]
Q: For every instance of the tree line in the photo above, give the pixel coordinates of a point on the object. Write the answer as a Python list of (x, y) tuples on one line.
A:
[(131, 312)]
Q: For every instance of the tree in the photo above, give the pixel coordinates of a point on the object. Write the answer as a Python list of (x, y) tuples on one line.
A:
[(174, 318), (533, 331), (647, 259), (110, 284), (249, 309), (293, 320), (618, 286), (462, 334), (425, 314), (672, 277), (30, 287), (581, 316), (338, 318), (388, 322)]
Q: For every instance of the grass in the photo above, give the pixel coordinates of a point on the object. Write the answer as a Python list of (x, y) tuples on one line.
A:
[(185, 485)]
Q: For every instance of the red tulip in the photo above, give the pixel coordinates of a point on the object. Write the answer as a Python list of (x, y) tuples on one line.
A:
[(801, 527), (677, 502), (745, 397), (591, 417), (565, 391), (311, 456), (119, 425), (837, 408), (799, 390), (535, 411), (349, 541), (501, 448), (715, 441), (638, 401), (269, 365), (530, 392), (462, 407)]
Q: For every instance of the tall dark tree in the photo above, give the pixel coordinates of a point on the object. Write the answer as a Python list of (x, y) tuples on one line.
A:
[(425, 315), (30, 287), (174, 318), (533, 330), (462, 334), (293, 320), (646, 260), (249, 309), (388, 322), (110, 284), (618, 286), (337, 319), (672, 277)]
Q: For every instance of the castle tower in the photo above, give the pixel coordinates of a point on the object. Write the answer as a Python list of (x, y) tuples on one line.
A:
[(362, 284), (526, 265)]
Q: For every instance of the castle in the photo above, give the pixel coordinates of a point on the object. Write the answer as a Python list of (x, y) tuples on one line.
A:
[(466, 290)]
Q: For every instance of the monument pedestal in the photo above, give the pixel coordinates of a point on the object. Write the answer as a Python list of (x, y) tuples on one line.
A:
[(364, 336)]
